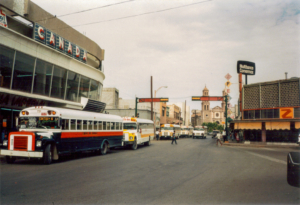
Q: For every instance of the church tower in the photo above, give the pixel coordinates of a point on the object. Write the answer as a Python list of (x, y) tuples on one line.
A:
[(205, 104), (206, 110)]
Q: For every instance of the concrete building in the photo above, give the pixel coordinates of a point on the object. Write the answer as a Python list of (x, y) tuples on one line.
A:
[(174, 114), (45, 65), (110, 96), (185, 113)]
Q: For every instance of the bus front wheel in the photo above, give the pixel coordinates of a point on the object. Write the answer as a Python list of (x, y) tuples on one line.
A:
[(134, 145), (103, 150), (48, 155)]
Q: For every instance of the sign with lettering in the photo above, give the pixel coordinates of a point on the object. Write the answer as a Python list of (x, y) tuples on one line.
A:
[(47, 37), (246, 67), (3, 20), (286, 113)]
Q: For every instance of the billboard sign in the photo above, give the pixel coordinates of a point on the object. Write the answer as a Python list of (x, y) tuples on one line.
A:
[(3, 20), (246, 67)]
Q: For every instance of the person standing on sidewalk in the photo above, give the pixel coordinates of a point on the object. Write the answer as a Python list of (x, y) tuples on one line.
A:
[(174, 138), (219, 138)]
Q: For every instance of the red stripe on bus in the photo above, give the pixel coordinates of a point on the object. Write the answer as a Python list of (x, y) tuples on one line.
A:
[(89, 134)]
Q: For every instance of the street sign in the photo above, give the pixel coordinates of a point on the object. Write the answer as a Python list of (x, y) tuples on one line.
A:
[(246, 67), (228, 76), (153, 100), (228, 83), (205, 98)]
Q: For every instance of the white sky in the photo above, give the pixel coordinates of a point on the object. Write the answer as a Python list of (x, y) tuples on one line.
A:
[(188, 47)]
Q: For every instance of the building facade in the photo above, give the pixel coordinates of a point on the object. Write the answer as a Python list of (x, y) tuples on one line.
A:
[(110, 96), (44, 65)]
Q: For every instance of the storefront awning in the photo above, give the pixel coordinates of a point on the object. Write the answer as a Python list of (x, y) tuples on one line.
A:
[(297, 125), (247, 126), (277, 125)]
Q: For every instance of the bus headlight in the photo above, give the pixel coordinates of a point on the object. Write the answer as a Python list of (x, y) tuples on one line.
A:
[(4, 142), (38, 143)]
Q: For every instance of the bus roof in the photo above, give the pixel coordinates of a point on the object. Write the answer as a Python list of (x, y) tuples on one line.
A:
[(138, 120), (169, 125), (69, 114)]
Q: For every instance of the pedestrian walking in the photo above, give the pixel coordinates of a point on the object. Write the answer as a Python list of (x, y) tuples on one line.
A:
[(157, 135), (174, 138), (219, 138)]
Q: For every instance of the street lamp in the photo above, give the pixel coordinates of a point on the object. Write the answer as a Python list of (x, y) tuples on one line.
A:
[(158, 90)]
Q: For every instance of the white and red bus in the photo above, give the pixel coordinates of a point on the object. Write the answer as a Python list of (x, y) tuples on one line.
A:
[(48, 132)]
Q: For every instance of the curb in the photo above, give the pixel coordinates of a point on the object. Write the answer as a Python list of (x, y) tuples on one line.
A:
[(261, 145)]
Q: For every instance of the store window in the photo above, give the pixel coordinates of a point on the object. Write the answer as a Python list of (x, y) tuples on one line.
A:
[(42, 77), (58, 82), (22, 78), (84, 87), (94, 90), (6, 64), (72, 86)]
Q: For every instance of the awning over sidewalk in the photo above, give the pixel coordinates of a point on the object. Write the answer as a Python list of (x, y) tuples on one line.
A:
[(247, 126), (277, 125), (297, 125)]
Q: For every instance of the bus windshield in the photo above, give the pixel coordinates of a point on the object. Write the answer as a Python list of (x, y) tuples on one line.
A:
[(185, 129), (201, 129), (39, 122), (129, 126), (167, 128)]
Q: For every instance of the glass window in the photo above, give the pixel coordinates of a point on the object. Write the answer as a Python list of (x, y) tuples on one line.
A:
[(72, 86), (113, 126), (84, 87), (94, 90), (246, 115), (42, 77), (73, 124), (117, 126), (84, 124), (90, 125), (100, 125), (23, 71), (95, 125), (65, 124), (276, 113), (58, 82), (79, 124), (6, 63), (104, 126), (108, 125), (251, 114), (257, 114)]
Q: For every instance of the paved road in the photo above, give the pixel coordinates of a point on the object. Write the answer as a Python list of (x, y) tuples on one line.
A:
[(193, 172)]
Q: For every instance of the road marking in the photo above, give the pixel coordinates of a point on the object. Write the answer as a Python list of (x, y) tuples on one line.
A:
[(268, 158)]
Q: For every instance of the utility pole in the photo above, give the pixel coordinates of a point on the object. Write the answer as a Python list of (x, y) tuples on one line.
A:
[(184, 120), (226, 115), (151, 100)]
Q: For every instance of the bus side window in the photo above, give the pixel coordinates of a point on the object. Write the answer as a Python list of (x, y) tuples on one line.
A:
[(104, 125), (84, 124), (112, 125), (100, 127), (73, 124), (108, 125), (95, 125), (79, 124), (90, 125), (65, 124), (117, 126)]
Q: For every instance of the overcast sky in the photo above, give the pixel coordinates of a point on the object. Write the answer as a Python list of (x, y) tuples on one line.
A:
[(187, 44)]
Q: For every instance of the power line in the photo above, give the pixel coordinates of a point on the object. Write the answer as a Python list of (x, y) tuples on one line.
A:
[(96, 8), (108, 5), (142, 14)]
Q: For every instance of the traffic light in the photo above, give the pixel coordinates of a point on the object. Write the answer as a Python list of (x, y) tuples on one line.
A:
[(138, 114)]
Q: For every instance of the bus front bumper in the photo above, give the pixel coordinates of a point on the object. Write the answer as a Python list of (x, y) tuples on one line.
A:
[(14, 153)]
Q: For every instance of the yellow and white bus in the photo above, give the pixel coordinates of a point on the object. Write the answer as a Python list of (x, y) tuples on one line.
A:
[(167, 130), (186, 131), (137, 132), (200, 132)]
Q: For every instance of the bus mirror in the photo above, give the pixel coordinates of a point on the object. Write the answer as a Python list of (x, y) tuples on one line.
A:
[(293, 169)]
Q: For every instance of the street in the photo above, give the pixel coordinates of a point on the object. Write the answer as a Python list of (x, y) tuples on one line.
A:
[(195, 171)]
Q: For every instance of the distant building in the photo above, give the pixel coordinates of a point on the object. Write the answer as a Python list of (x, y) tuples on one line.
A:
[(207, 114), (110, 96), (174, 116), (185, 113)]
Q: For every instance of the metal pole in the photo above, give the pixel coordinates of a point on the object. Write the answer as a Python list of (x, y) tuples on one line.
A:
[(136, 103), (246, 79), (184, 120), (226, 115), (151, 101)]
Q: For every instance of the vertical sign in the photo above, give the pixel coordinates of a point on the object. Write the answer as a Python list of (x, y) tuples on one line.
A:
[(3, 20)]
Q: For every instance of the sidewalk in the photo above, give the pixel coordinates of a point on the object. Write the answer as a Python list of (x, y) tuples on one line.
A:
[(262, 144)]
